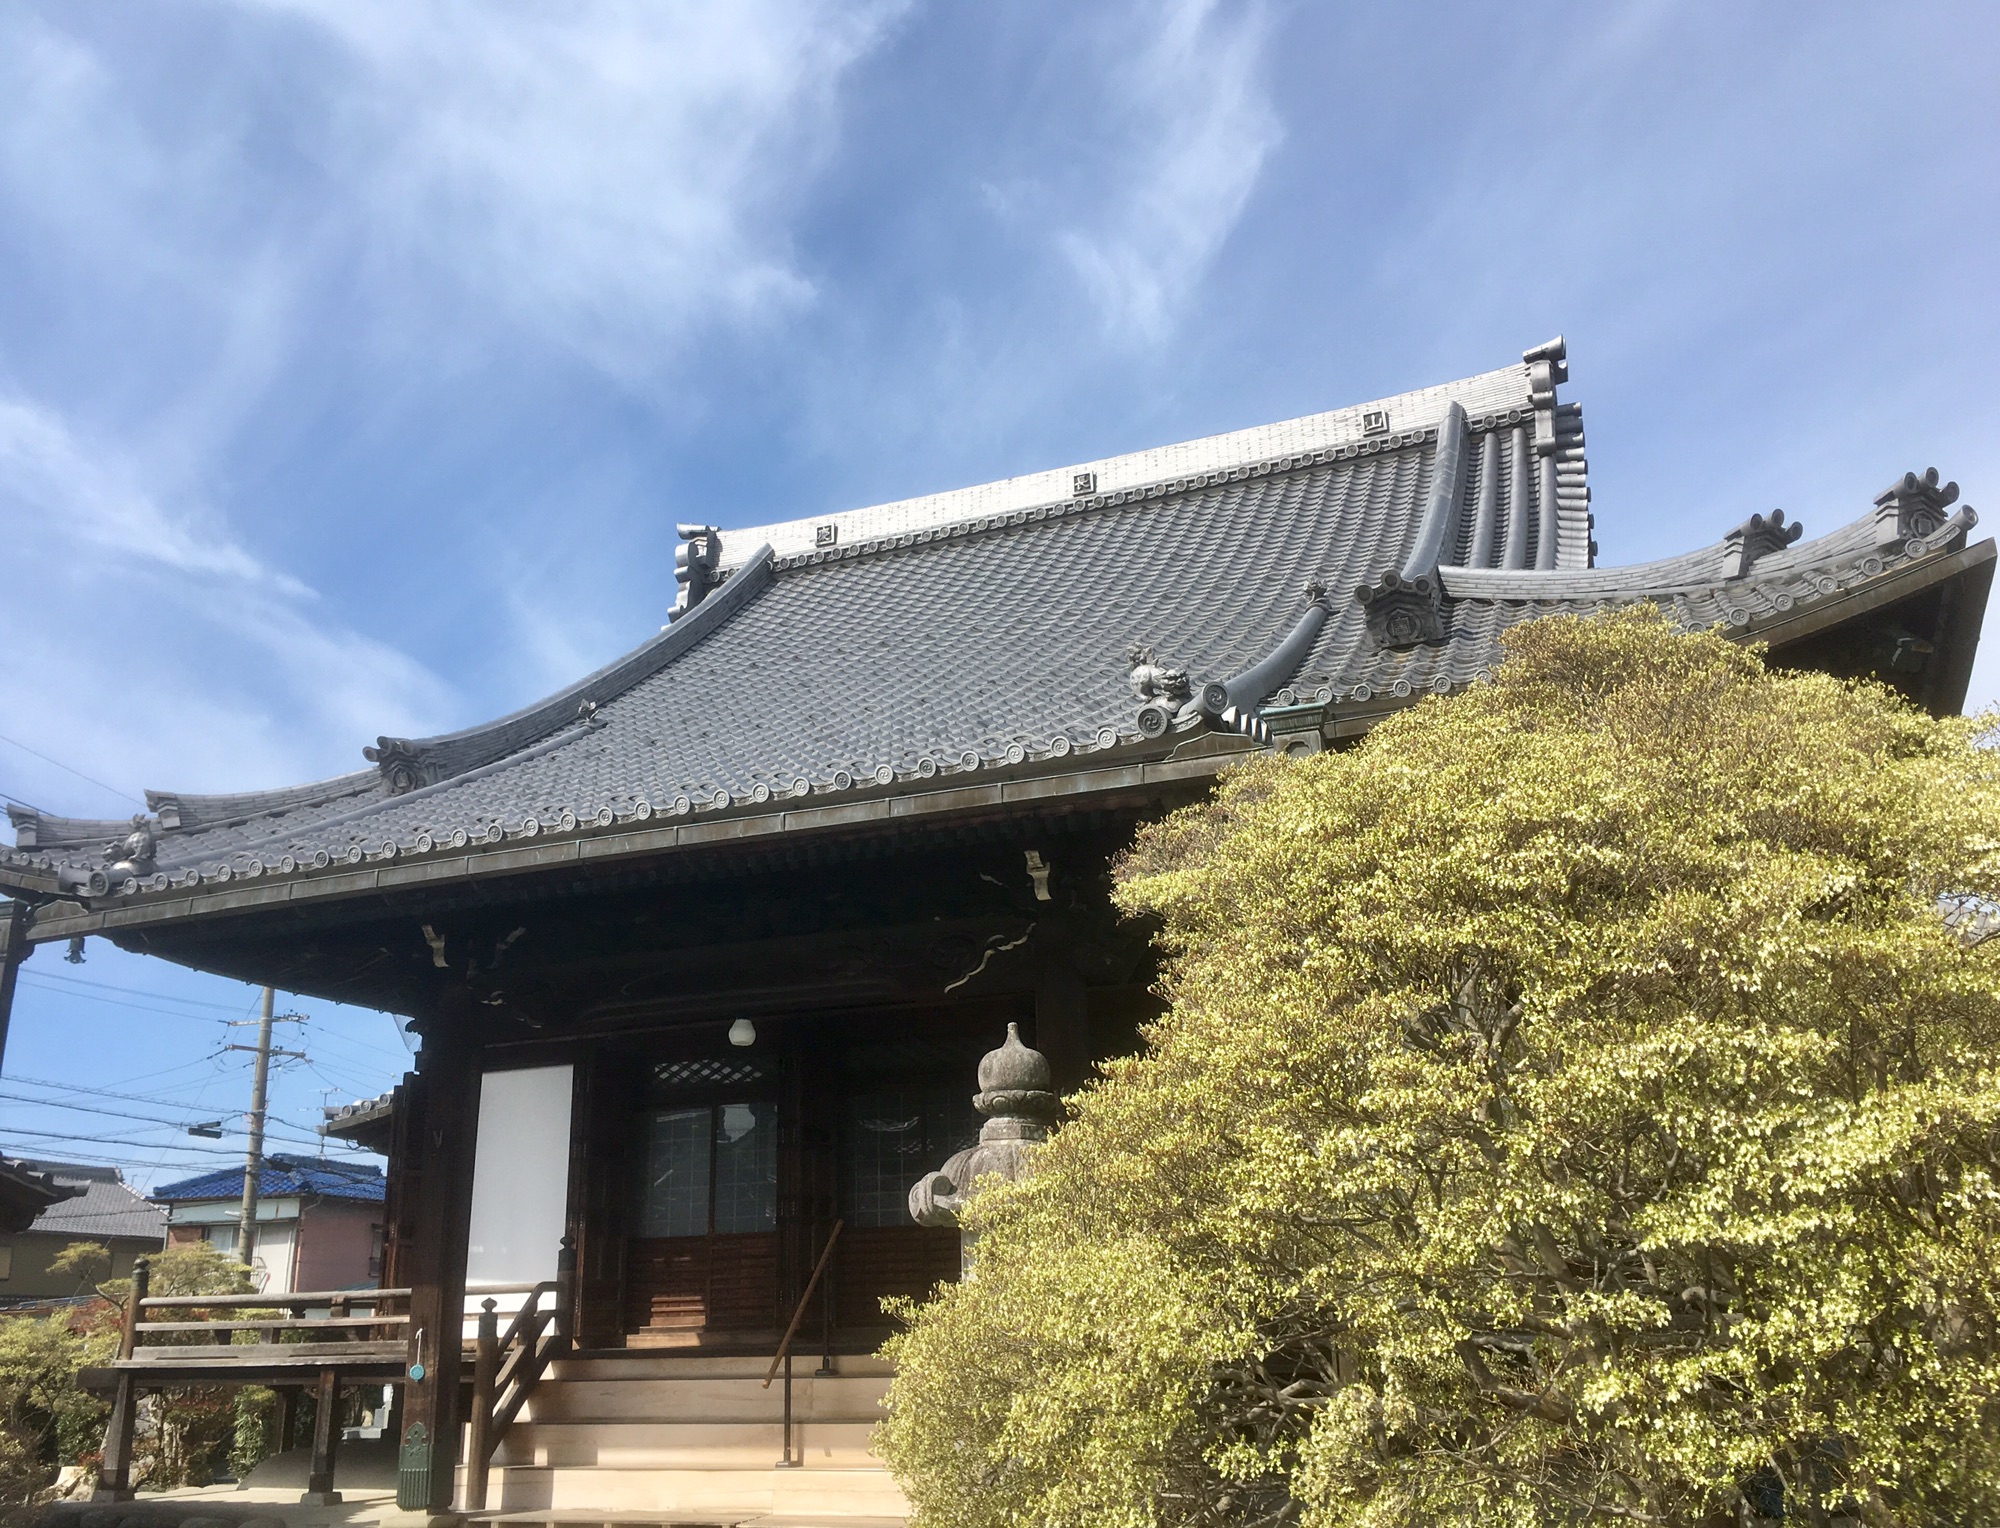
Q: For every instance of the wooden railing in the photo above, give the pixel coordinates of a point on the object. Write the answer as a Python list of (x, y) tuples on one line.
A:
[(506, 1369), (784, 1354), (288, 1350)]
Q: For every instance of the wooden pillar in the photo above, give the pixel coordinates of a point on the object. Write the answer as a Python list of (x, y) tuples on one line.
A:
[(14, 948), (479, 1435), (437, 1186), (114, 1474), (326, 1442), (601, 1109), (1062, 1019)]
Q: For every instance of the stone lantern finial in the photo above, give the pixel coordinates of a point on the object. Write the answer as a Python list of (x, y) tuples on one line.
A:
[(1019, 1105)]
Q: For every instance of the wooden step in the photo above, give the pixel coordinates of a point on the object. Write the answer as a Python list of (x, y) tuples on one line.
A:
[(683, 1445), (844, 1398), (709, 1495), (639, 1366)]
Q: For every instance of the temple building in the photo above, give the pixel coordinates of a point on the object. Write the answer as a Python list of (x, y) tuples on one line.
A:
[(705, 950)]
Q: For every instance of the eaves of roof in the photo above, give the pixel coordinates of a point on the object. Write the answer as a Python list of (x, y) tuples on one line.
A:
[(1189, 759), (986, 650)]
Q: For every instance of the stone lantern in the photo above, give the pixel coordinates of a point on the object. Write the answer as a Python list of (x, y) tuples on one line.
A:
[(1019, 1105)]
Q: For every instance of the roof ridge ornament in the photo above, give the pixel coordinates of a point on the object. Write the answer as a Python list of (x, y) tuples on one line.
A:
[(1165, 691), (1548, 365), (1759, 536), (1912, 508), (404, 766), (1402, 612), (695, 561)]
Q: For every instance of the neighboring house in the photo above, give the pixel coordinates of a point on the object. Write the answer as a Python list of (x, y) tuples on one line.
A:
[(96, 1205), (319, 1222)]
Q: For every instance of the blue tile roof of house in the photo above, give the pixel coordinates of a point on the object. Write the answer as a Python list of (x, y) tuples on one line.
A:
[(284, 1177)]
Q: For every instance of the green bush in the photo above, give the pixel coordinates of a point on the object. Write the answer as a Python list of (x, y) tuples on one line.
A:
[(1574, 1106), (45, 1421)]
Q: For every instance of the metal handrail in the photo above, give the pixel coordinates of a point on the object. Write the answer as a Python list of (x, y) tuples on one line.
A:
[(784, 1353), (798, 1314)]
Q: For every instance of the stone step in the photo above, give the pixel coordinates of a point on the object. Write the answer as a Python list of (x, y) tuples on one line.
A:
[(809, 1495), (631, 1365), (683, 1445), (844, 1398)]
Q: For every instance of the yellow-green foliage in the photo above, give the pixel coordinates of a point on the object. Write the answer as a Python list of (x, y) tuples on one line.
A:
[(1574, 1106), (45, 1421)]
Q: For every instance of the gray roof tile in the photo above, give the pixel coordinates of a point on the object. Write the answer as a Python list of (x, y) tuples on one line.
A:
[(990, 628), (107, 1207)]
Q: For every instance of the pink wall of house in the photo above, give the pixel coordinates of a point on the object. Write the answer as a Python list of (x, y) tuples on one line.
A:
[(338, 1240)]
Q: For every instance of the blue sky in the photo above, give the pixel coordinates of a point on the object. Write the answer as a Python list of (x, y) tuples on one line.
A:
[(356, 357)]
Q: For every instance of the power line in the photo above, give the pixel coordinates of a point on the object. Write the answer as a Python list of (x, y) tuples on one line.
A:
[(134, 1098), (105, 1159), (297, 1133), (185, 1066), (165, 997), (324, 1037), (51, 1103), (36, 979), (106, 1140), (122, 795)]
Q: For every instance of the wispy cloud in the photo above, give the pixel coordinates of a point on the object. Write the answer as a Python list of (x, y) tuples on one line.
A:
[(1198, 124), (613, 175), (156, 649), (76, 501)]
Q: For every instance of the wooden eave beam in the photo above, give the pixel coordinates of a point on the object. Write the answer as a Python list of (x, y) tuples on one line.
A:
[(1974, 564), (585, 849)]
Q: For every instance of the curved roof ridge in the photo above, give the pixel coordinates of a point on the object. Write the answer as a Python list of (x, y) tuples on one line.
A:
[(192, 813), (48, 829), (408, 764), (1056, 509), (1703, 568), (1356, 424)]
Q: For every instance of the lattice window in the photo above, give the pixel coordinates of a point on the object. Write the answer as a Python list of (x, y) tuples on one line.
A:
[(706, 1072), (714, 1167), (889, 1140)]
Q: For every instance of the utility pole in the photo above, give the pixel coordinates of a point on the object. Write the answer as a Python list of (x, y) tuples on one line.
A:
[(246, 1221)]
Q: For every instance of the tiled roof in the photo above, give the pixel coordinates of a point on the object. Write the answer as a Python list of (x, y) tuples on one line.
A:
[(1352, 557), (103, 1206), (283, 1177)]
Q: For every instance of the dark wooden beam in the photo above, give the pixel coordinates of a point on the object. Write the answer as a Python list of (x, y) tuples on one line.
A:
[(443, 1100), (319, 1490), (15, 949)]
